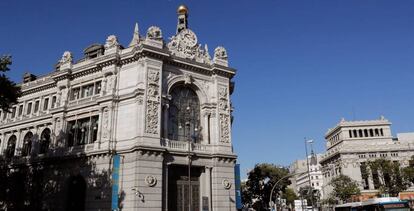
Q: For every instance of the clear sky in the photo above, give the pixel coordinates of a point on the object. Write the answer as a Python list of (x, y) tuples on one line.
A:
[(302, 65)]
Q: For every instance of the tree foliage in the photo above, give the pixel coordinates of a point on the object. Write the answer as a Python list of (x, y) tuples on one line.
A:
[(290, 196), (256, 190), (408, 171), (344, 187), (310, 194), (9, 92), (389, 176)]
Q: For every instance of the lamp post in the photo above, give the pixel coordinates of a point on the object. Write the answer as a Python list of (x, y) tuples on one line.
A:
[(307, 163), (277, 182), (189, 117)]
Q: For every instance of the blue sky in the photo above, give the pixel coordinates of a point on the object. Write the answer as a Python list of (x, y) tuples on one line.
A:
[(302, 65)]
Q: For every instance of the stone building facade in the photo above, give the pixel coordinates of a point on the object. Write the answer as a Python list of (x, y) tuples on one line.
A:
[(350, 145), (301, 176), (160, 105)]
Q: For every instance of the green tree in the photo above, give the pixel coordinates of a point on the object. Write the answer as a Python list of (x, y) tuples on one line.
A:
[(344, 188), (9, 92), (290, 196), (256, 190), (389, 176), (310, 194), (408, 172)]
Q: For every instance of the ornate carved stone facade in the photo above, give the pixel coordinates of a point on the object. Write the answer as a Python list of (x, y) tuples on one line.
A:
[(118, 101)]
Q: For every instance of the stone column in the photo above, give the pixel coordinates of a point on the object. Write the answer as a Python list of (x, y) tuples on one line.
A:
[(3, 143), (17, 150), (165, 112), (206, 135), (100, 126), (208, 186)]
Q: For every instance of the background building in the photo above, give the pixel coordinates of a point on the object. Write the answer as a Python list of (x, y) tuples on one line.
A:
[(143, 113), (302, 180), (351, 144)]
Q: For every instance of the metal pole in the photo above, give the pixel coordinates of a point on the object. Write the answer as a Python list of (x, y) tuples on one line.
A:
[(309, 176), (277, 182), (189, 167)]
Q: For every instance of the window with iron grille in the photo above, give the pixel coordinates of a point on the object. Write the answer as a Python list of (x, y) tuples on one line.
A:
[(184, 115)]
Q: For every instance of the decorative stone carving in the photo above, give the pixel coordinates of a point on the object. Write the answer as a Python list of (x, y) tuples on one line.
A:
[(135, 39), (110, 86), (64, 96), (185, 45), (225, 129), (223, 92), (153, 102), (111, 41), (220, 53), (150, 180), (226, 184), (220, 56), (187, 78), (152, 117), (105, 124), (154, 33), (223, 104), (153, 77), (66, 58)]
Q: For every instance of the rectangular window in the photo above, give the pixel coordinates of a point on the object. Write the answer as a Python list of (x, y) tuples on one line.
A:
[(45, 104), (97, 87), (53, 101), (4, 115), (87, 91), (29, 108), (13, 112), (36, 108), (20, 110), (83, 131), (74, 94)]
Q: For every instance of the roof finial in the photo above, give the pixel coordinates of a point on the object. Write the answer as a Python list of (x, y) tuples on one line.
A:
[(135, 38), (182, 12)]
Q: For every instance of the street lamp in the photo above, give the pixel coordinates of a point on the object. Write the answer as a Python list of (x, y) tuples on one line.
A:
[(307, 163), (190, 121), (277, 182)]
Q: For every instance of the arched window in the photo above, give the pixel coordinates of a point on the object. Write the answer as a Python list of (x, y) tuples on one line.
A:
[(355, 133), (184, 115), (360, 133), (11, 145), (27, 144), (44, 141), (371, 133), (365, 133)]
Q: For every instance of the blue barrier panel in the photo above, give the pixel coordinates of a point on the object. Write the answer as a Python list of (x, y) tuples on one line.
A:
[(115, 182), (237, 184)]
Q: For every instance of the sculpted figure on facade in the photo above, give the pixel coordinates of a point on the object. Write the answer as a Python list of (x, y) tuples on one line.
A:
[(185, 45), (187, 78), (111, 41), (220, 53), (66, 58), (154, 33)]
